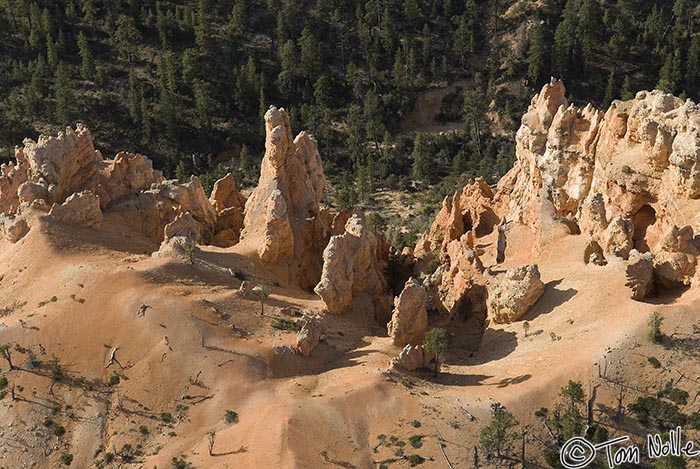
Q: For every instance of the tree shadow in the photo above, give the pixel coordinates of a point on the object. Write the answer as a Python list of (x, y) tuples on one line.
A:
[(455, 379), (505, 382), (550, 299), (242, 449)]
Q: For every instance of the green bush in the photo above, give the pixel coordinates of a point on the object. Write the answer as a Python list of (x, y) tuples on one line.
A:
[(230, 417), (416, 441), (654, 362), (655, 321), (66, 459)]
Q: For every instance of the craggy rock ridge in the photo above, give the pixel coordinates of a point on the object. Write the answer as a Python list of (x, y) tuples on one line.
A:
[(628, 180), (283, 220), (65, 179)]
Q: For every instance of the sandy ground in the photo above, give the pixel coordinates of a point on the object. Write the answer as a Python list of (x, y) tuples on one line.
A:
[(201, 350)]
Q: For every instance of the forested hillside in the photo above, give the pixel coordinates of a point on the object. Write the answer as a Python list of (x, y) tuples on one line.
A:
[(186, 82)]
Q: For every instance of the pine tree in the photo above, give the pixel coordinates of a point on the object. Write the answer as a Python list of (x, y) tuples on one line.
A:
[(424, 168), (692, 73), (63, 94), (88, 8), (537, 56), (671, 73), (51, 52), (133, 98), (126, 38), (590, 29), (322, 91), (288, 61), (610, 90), (87, 66), (627, 92), (310, 54), (238, 18)]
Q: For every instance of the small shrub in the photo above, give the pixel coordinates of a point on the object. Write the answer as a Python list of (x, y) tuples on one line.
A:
[(167, 417), (230, 417), (48, 423), (655, 321), (654, 362), (415, 459), (678, 396), (144, 430), (3, 382), (416, 441), (284, 324), (626, 169), (109, 457), (415, 423), (114, 379), (59, 431), (66, 459), (180, 463)]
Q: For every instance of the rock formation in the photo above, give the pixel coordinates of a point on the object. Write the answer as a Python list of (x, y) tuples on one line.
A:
[(229, 205), (640, 274), (180, 240), (283, 220), (413, 357), (469, 211), (81, 208), (515, 294), (627, 179), (351, 268), (409, 321), (309, 335)]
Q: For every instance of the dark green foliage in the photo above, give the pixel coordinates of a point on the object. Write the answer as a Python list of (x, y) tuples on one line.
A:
[(655, 321), (167, 417), (66, 459), (230, 417), (657, 413), (416, 441), (437, 341), (654, 362), (498, 436), (284, 324)]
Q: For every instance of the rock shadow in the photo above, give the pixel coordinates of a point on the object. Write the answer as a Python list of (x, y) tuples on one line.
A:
[(495, 344), (550, 299)]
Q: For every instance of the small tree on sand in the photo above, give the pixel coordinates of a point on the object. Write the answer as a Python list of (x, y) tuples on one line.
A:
[(262, 292), (498, 436), (436, 341), (655, 321), (6, 353)]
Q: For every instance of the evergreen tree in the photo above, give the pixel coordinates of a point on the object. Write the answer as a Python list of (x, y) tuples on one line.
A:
[(133, 98), (589, 28), (63, 95), (424, 168), (288, 62), (310, 54), (610, 90), (126, 38), (87, 65), (238, 17), (565, 47), (537, 56)]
